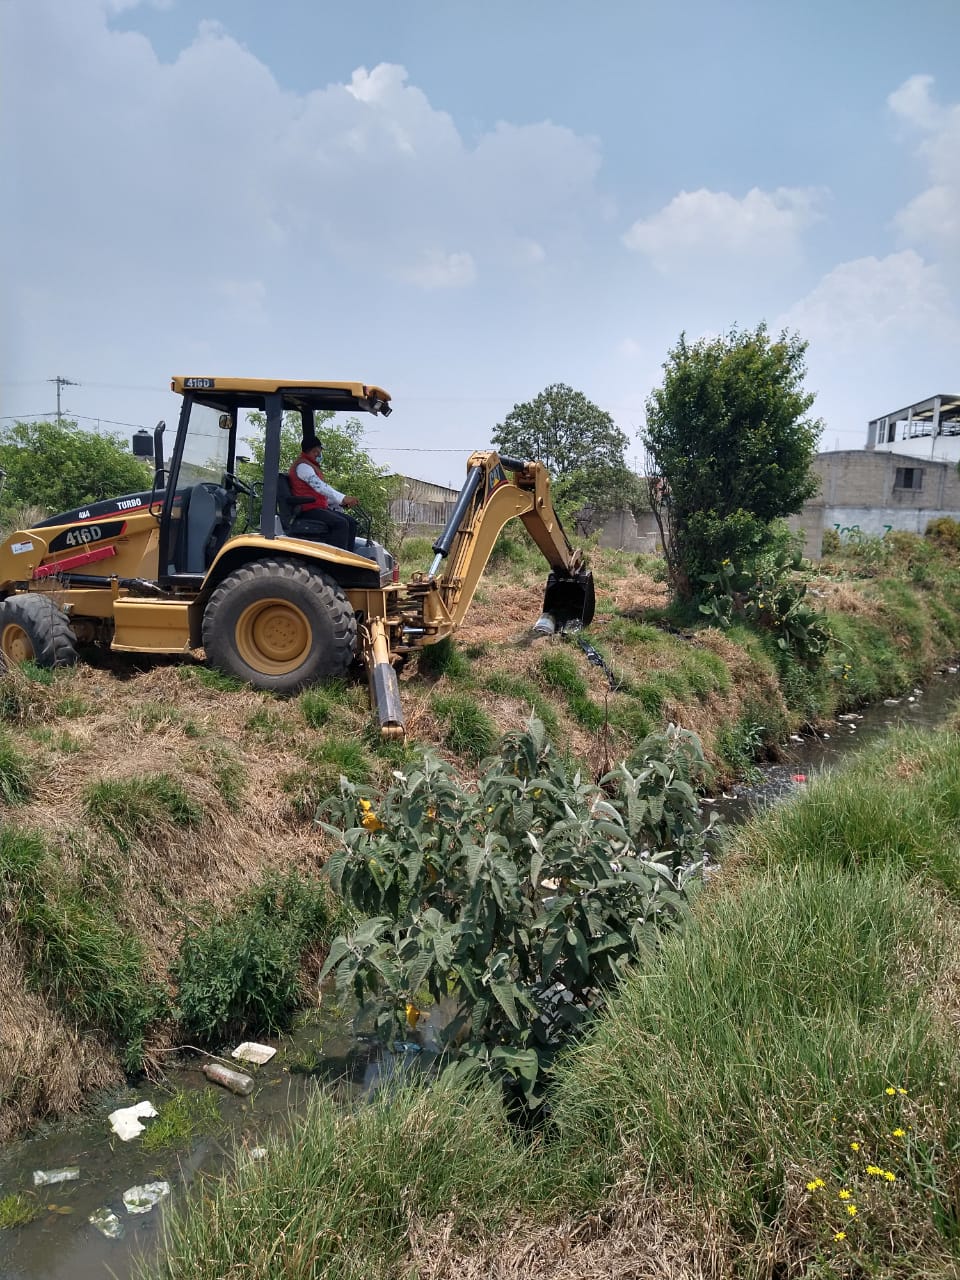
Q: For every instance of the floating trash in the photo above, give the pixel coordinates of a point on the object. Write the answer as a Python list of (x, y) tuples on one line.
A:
[(235, 1081), (49, 1177), (258, 1153), (126, 1121), (795, 737), (798, 777), (142, 1199), (107, 1223), (250, 1051)]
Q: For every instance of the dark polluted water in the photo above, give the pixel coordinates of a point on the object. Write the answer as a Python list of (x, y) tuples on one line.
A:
[(804, 758), (62, 1243)]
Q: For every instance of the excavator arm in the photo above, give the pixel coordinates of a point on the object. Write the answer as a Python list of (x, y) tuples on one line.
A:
[(430, 607)]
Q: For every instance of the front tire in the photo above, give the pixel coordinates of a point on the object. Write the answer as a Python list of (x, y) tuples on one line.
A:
[(34, 629), (279, 626)]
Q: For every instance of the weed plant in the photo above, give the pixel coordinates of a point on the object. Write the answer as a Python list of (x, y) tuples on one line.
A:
[(334, 758), (133, 810), (240, 972), (322, 703)]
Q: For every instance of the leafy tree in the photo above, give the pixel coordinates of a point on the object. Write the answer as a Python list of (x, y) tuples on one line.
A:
[(346, 464), (729, 447), (579, 443), (62, 467)]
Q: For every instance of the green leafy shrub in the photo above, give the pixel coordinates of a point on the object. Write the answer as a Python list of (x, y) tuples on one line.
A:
[(946, 531), (133, 809), (241, 972), (519, 903), (768, 591)]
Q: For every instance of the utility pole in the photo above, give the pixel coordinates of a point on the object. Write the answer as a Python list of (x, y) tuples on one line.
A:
[(61, 382)]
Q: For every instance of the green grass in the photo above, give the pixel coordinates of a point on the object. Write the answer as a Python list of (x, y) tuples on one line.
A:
[(133, 810), (320, 776), (16, 773), (77, 950), (183, 1117), (561, 670), (17, 1209), (444, 659), (467, 729), (360, 1178), (210, 678), (323, 703), (527, 692)]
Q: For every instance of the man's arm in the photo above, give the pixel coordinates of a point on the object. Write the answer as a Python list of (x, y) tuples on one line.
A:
[(310, 477)]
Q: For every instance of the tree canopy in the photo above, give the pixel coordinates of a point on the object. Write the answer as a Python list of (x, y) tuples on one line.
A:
[(580, 445), (729, 448), (59, 467), (346, 464)]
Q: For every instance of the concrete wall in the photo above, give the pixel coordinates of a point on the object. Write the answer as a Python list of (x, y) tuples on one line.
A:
[(858, 493)]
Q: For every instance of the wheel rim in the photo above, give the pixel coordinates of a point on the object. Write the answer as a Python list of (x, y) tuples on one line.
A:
[(16, 644), (273, 636)]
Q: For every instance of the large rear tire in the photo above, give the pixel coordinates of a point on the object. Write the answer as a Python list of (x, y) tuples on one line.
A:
[(34, 629), (279, 626)]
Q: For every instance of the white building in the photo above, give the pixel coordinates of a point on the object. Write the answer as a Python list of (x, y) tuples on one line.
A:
[(929, 430)]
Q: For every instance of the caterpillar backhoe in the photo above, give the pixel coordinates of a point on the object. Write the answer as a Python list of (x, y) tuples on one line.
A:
[(163, 571)]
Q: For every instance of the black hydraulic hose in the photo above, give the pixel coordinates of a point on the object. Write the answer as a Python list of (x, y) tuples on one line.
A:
[(471, 484)]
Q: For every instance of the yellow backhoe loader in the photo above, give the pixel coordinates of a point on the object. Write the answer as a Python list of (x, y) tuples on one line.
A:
[(163, 572)]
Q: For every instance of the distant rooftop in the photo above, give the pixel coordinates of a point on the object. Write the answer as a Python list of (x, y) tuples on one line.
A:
[(935, 416)]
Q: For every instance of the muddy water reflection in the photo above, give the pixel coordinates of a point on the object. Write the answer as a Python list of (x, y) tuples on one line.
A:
[(61, 1244)]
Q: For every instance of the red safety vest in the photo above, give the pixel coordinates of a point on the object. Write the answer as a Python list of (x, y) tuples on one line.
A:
[(300, 489)]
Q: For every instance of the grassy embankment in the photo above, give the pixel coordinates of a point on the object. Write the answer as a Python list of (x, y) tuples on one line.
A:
[(154, 815), (776, 1095)]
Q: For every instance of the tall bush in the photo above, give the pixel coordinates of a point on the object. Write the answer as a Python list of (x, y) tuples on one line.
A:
[(514, 906)]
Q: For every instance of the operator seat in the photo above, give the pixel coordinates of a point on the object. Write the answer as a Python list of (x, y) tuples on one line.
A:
[(211, 511)]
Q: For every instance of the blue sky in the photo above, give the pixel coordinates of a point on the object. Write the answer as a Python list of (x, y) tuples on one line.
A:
[(465, 202)]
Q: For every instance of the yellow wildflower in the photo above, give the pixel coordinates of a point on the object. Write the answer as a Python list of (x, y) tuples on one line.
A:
[(852, 1210), (816, 1184), (898, 1133), (874, 1169), (889, 1175), (839, 1235), (890, 1091), (854, 1146), (844, 1195), (901, 1091)]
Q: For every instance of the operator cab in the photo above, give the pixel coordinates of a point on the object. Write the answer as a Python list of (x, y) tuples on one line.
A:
[(201, 486)]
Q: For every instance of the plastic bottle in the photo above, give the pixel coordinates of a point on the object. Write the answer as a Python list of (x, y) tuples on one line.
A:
[(235, 1081)]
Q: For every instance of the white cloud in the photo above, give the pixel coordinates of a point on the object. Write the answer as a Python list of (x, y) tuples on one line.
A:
[(933, 217), (716, 226), (439, 270), (873, 301)]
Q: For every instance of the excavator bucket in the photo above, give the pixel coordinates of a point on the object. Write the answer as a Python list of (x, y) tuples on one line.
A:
[(568, 603)]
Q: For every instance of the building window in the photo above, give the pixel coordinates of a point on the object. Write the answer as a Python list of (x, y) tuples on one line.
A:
[(909, 478)]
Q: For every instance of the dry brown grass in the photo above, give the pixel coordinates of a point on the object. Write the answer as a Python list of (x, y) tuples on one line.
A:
[(47, 1066), (636, 1237)]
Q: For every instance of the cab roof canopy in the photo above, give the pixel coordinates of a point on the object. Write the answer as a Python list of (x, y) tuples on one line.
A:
[(250, 393)]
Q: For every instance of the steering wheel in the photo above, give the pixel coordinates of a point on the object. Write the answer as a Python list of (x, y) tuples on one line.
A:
[(234, 482)]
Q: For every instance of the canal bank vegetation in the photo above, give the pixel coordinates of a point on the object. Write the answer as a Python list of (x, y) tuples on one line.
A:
[(148, 807), (774, 1092)]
